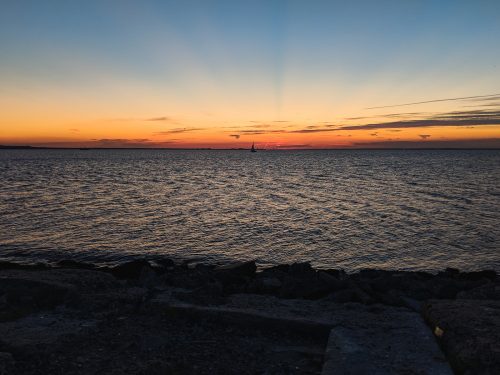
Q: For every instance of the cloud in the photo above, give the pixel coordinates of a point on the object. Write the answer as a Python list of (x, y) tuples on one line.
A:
[(163, 118), (464, 143), (358, 118), (258, 132), (74, 130), (122, 142), (110, 143), (319, 130), (494, 104), (260, 126), (237, 136), (136, 119), (177, 131), (475, 97), (456, 118), (424, 136), (294, 146)]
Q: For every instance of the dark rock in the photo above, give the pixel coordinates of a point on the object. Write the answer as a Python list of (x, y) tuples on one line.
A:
[(479, 275), (200, 267), (334, 283), (451, 272), (284, 268), (21, 266), (265, 285), (210, 294), (9, 266), (446, 288), (165, 262), (148, 277), (234, 277), (23, 296), (469, 333), (275, 273), (162, 265), (415, 285), (350, 295), (185, 278), (490, 291), (391, 297), (337, 273), (69, 263), (7, 364), (369, 273), (304, 287), (242, 269), (300, 269), (301, 281), (412, 304), (131, 270)]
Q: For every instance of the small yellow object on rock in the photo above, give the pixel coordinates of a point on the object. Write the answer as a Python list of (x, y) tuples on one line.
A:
[(438, 331)]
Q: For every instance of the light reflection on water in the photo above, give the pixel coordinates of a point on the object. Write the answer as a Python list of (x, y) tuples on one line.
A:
[(349, 209)]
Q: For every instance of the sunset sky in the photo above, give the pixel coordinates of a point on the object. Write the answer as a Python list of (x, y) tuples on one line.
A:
[(224, 74)]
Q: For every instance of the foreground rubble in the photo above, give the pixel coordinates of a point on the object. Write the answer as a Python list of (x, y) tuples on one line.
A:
[(156, 317)]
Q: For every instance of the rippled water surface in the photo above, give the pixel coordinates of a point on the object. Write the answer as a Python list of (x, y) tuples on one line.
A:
[(350, 209)]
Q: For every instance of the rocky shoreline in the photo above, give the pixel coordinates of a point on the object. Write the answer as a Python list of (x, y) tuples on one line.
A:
[(159, 317)]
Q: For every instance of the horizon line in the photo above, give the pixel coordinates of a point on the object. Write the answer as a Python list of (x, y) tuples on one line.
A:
[(27, 147)]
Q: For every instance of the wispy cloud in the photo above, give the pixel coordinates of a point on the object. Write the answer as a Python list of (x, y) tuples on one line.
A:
[(318, 130), (475, 97), (465, 143), (162, 118), (236, 136), (177, 131), (259, 131), (424, 136), (110, 143), (456, 118), (294, 146), (132, 143), (148, 119)]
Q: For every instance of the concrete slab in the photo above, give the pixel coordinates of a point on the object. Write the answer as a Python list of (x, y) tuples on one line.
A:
[(394, 343)]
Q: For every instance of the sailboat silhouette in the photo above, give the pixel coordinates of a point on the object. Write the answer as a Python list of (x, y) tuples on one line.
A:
[(253, 148)]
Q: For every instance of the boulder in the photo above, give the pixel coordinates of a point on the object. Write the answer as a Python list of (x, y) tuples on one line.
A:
[(24, 295), (479, 275), (300, 269), (73, 264), (490, 291), (161, 265), (131, 270), (265, 285), (21, 266), (337, 273), (165, 262), (281, 268), (352, 294), (469, 333), (7, 364), (241, 269), (235, 276)]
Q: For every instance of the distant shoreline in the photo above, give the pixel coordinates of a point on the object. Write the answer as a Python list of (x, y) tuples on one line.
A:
[(4, 147)]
